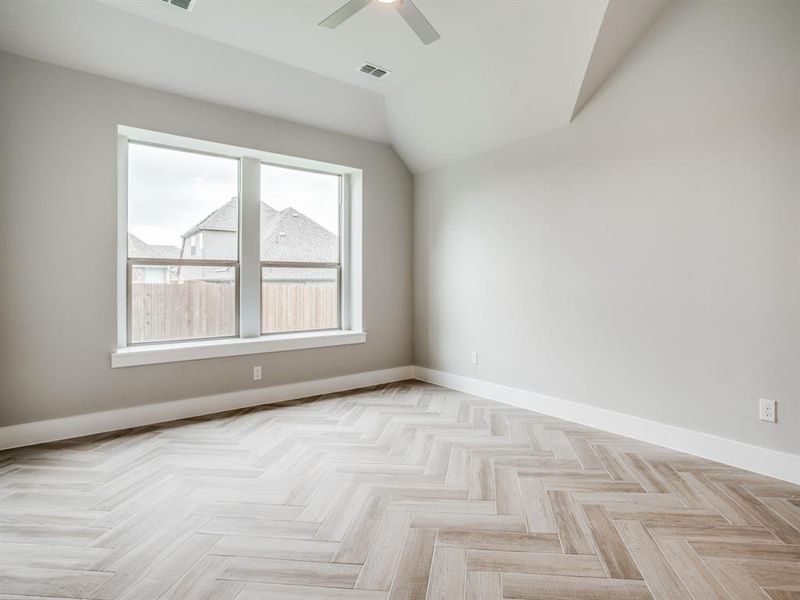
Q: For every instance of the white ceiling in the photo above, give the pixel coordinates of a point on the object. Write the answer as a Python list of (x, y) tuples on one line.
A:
[(503, 70)]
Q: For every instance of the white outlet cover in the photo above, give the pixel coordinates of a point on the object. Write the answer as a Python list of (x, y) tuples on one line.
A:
[(474, 357), (766, 410), (256, 373)]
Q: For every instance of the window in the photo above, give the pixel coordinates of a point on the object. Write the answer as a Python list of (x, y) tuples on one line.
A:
[(225, 245), (300, 266), (173, 292)]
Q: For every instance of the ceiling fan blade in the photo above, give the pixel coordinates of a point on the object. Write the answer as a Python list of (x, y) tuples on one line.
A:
[(344, 12), (417, 21)]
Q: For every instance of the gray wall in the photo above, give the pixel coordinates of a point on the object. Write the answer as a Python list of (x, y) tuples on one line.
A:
[(645, 258), (57, 244)]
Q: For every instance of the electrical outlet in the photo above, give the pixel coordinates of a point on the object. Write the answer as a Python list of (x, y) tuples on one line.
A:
[(256, 373), (474, 357), (767, 410)]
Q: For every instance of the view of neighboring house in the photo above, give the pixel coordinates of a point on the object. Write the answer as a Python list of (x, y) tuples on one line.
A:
[(152, 273), (286, 235)]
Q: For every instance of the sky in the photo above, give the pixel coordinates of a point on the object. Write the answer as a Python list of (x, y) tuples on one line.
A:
[(169, 191), (316, 195)]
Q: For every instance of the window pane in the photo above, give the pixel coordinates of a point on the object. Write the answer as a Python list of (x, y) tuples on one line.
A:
[(170, 303), (181, 204), (299, 215), (299, 299)]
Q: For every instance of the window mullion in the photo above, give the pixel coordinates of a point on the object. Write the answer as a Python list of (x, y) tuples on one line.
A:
[(250, 248)]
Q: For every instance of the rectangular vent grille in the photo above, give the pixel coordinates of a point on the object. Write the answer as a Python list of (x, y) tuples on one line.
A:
[(373, 70), (184, 4)]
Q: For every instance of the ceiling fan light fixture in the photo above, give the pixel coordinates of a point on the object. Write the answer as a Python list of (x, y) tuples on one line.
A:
[(406, 8)]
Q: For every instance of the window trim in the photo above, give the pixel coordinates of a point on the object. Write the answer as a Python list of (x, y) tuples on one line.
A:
[(152, 354), (249, 339)]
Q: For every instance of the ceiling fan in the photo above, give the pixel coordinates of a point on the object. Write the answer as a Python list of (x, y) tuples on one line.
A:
[(407, 9)]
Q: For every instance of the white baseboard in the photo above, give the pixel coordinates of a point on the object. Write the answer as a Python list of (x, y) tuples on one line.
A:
[(51, 430), (772, 463)]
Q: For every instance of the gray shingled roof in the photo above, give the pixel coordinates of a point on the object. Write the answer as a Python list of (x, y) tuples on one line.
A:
[(289, 235), (225, 218), (138, 248), (286, 235)]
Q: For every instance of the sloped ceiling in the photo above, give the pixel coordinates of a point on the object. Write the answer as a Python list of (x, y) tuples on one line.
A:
[(503, 70)]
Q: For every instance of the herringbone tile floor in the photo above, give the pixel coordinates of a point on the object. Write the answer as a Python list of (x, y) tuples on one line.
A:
[(406, 491)]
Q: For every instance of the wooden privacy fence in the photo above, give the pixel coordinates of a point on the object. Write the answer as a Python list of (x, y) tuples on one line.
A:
[(293, 306), (198, 309)]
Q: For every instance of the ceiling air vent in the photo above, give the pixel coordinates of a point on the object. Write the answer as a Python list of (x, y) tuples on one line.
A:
[(372, 70), (184, 4)]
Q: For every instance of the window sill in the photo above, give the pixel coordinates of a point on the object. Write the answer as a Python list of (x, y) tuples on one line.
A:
[(152, 354)]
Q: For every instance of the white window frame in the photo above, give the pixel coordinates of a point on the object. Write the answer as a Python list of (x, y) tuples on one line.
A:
[(338, 266), (249, 339)]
